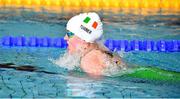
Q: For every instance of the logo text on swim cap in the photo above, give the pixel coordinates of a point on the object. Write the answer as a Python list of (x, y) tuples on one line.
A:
[(85, 29)]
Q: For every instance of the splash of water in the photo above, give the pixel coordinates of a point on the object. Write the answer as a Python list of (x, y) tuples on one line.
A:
[(68, 61), (113, 69), (72, 62)]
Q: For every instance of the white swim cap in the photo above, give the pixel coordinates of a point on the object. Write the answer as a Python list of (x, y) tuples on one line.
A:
[(86, 26)]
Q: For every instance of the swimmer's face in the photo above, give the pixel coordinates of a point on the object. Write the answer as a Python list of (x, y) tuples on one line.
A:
[(73, 42)]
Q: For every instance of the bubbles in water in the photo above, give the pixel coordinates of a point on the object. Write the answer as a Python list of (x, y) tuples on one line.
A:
[(113, 68), (68, 61), (121, 53)]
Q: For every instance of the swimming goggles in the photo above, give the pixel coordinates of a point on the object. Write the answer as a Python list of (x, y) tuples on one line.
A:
[(70, 34)]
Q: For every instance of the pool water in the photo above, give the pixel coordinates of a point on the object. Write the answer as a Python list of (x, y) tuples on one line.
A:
[(48, 80)]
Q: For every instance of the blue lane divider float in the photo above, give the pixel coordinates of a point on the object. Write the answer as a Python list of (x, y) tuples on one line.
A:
[(33, 42), (118, 45)]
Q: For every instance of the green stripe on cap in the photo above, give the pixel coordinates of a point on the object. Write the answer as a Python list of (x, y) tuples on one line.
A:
[(86, 20)]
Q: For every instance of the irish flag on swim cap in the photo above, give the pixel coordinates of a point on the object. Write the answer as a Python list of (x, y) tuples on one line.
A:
[(87, 19), (86, 26)]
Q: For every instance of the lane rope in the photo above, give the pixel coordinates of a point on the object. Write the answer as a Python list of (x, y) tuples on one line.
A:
[(118, 45)]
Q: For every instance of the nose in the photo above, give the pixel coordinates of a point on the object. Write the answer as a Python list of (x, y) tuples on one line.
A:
[(66, 37)]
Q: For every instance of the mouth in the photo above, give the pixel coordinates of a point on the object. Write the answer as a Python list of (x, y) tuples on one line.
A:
[(68, 48)]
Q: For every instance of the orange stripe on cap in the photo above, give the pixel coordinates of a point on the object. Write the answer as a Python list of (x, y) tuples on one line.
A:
[(95, 25)]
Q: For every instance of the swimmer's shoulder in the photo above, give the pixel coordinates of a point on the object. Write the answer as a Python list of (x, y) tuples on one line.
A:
[(95, 53), (112, 58), (100, 55), (94, 56), (92, 63)]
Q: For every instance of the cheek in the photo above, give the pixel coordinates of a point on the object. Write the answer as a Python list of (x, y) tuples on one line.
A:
[(72, 45)]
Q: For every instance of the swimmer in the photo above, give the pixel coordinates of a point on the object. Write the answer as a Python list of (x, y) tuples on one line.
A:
[(84, 32)]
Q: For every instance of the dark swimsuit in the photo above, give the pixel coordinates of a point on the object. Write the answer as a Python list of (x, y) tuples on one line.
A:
[(111, 56)]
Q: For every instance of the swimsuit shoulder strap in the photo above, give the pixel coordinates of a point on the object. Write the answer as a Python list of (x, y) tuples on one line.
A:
[(108, 53)]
